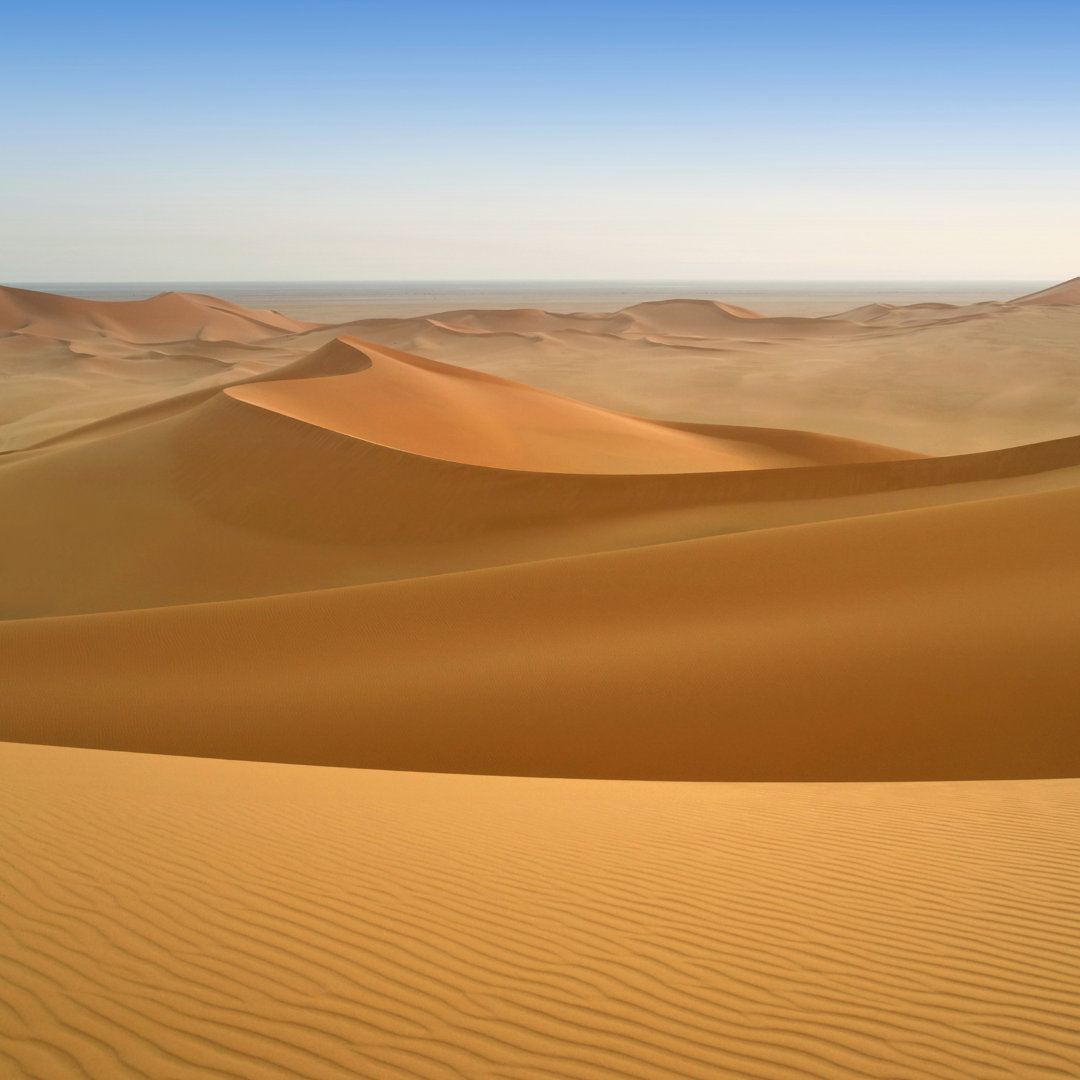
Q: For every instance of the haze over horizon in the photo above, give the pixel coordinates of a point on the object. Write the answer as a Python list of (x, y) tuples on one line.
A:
[(835, 142)]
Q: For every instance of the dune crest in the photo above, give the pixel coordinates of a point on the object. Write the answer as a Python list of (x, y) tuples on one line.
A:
[(424, 407)]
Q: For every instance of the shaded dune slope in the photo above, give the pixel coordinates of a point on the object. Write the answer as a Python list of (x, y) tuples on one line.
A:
[(334, 359), (671, 652)]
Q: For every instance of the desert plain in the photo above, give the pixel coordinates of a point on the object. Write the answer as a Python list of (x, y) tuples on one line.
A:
[(668, 691)]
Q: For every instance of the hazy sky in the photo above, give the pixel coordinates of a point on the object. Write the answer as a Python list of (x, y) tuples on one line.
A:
[(357, 140)]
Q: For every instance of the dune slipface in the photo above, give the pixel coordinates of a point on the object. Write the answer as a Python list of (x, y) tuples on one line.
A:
[(357, 559)]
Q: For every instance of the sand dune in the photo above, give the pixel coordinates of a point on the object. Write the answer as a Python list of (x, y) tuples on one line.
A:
[(67, 362), (167, 317), (669, 651), (424, 407), (356, 559), (347, 467), (931, 377), (211, 498)]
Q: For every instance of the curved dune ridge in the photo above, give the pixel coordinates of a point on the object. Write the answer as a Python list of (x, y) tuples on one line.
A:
[(423, 407), (467, 639)]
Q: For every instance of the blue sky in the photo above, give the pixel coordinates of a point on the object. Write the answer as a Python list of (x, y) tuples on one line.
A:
[(354, 140)]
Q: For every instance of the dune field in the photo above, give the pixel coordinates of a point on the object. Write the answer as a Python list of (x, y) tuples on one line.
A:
[(668, 692)]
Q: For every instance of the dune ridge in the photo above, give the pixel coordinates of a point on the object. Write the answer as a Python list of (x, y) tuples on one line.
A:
[(421, 406)]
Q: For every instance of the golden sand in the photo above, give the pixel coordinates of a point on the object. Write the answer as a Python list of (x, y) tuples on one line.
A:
[(580, 560)]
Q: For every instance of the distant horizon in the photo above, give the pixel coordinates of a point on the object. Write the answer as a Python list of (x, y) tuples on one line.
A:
[(330, 301), (507, 281)]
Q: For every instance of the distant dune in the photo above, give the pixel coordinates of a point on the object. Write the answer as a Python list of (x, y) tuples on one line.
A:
[(168, 317), (932, 377), (580, 560)]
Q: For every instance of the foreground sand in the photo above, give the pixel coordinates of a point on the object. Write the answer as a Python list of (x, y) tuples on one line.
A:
[(229, 535), (184, 918)]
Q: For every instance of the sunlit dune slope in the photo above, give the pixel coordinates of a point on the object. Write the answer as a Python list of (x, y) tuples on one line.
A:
[(424, 407), (181, 918)]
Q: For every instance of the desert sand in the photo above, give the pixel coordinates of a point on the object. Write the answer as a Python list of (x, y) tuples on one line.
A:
[(672, 691), (185, 918)]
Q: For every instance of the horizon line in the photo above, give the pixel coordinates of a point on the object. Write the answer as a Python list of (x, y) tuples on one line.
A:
[(13, 283)]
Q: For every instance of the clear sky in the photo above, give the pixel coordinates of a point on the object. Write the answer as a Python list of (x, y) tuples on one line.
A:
[(344, 139)]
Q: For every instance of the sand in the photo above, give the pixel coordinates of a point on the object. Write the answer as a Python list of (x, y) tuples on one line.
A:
[(371, 713), (185, 918), (931, 377)]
